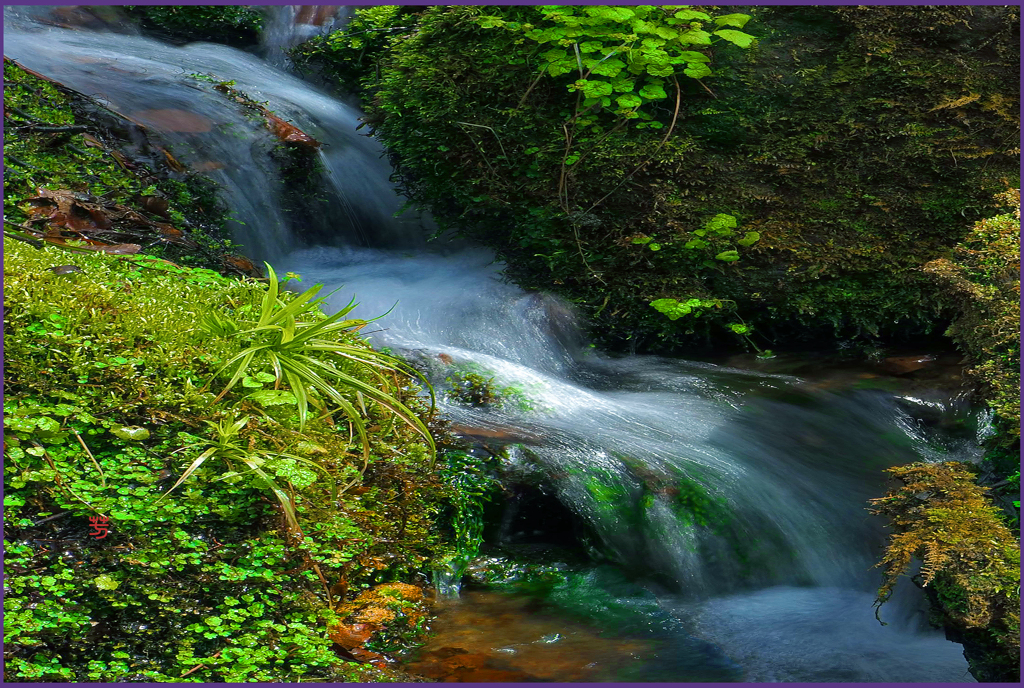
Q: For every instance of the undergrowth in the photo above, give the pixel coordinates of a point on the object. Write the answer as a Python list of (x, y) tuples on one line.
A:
[(107, 397)]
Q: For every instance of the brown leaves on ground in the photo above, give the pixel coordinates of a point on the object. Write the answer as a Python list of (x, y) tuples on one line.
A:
[(61, 216), (374, 611)]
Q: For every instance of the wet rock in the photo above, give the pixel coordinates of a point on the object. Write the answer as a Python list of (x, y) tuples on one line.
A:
[(351, 636), (903, 365)]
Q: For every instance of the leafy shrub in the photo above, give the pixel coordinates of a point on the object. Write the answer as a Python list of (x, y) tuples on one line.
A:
[(104, 407), (235, 25), (971, 561), (981, 283), (831, 140)]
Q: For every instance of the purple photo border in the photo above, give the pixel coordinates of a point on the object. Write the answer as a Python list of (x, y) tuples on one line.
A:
[(506, 2)]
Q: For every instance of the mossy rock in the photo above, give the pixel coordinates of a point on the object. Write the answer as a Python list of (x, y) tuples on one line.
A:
[(855, 144)]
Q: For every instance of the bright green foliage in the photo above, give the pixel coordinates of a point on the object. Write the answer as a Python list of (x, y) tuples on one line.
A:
[(348, 56), (104, 409), (309, 352), (624, 52), (676, 309), (473, 483)]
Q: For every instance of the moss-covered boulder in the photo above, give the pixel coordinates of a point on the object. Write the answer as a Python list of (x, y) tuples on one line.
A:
[(971, 562), (796, 191)]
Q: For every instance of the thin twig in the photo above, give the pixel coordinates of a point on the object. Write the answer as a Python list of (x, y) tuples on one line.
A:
[(530, 90), (34, 243), (675, 116), (70, 129), (103, 480), (484, 126), (201, 666)]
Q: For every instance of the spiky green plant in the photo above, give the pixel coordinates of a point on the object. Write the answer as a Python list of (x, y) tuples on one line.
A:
[(229, 447), (299, 344)]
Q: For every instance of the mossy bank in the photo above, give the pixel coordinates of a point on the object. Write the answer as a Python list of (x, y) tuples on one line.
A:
[(115, 393), (109, 398), (847, 146)]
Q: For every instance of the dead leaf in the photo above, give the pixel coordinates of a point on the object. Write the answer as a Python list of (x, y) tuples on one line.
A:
[(155, 205), (289, 133), (172, 162), (351, 635), (92, 142)]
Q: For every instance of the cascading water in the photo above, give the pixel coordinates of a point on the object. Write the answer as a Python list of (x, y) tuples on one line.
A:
[(741, 494)]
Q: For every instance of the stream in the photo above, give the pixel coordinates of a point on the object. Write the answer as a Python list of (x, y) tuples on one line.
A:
[(723, 506)]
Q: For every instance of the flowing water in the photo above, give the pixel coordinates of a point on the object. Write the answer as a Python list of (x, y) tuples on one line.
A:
[(730, 501)]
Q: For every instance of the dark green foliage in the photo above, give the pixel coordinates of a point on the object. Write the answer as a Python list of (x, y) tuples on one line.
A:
[(232, 24), (345, 58), (852, 145)]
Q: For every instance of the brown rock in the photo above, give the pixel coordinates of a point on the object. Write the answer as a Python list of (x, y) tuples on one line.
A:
[(350, 636), (902, 365), (174, 120)]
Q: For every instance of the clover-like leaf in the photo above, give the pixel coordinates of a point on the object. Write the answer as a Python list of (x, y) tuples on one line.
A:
[(749, 239), (741, 39), (697, 70), (737, 20)]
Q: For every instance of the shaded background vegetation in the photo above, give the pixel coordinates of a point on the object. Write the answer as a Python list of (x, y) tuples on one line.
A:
[(858, 142)]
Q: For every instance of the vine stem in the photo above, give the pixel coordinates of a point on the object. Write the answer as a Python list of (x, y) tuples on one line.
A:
[(103, 480), (675, 117)]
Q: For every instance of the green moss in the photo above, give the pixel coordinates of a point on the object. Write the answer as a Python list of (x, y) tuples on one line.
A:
[(847, 139), (96, 163), (106, 389)]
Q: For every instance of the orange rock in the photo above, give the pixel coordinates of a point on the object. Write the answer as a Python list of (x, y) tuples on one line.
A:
[(351, 635), (901, 365)]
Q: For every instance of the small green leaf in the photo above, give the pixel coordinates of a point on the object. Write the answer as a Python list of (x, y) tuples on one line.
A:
[(741, 39), (653, 92), (131, 433), (628, 101), (697, 70), (686, 15), (105, 582), (272, 397), (728, 256), (737, 20), (749, 239), (721, 224)]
